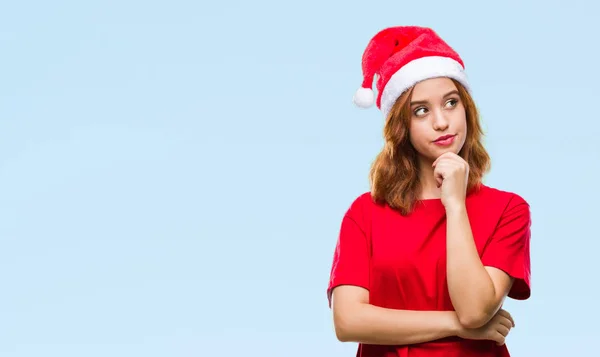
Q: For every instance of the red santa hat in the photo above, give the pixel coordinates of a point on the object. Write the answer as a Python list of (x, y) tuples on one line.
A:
[(401, 57)]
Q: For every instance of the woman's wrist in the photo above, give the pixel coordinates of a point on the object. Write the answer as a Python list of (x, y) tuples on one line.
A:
[(454, 326)]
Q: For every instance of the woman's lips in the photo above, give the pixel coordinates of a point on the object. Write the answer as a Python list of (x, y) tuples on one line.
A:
[(445, 140)]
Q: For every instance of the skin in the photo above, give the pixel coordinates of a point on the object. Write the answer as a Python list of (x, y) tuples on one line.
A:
[(477, 292)]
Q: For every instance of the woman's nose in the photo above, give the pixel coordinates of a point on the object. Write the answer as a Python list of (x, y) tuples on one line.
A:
[(440, 122)]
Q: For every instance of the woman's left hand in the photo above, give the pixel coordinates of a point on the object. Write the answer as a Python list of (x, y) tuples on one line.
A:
[(451, 172)]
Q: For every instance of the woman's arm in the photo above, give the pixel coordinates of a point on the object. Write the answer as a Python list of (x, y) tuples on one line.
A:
[(356, 320), (476, 291)]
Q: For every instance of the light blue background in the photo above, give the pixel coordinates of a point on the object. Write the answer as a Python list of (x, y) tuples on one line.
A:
[(173, 174)]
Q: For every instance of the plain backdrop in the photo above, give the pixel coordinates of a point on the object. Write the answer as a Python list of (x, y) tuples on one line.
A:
[(173, 173)]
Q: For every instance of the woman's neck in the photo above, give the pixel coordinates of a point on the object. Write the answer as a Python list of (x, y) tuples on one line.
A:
[(428, 185)]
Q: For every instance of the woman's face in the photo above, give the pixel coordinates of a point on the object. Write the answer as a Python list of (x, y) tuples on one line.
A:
[(438, 118)]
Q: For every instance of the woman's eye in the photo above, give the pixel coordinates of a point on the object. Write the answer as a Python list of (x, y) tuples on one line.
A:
[(420, 111), (451, 103)]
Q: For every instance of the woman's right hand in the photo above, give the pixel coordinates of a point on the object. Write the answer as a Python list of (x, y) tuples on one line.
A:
[(496, 329)]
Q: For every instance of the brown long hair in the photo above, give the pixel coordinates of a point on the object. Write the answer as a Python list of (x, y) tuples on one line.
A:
[(394, 174)]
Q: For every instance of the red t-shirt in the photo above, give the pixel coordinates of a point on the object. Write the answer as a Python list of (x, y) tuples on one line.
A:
[(402, 260)]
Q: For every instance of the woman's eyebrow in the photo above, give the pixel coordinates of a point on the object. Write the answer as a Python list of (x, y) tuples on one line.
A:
[(454, 91)]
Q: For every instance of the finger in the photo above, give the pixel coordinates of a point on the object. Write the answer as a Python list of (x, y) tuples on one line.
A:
[(504, 322), (503, 330), (440, 169), (457, 163), (450, 156), (439, 174), (438, 180), (511, 319), (441, 157), (457, 160), (507, 315), (449, 165), (500, 340), (504, 319), (446, 166), (443, 170)]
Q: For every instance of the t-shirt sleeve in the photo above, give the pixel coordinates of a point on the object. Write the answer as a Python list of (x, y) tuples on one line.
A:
[(351, 257), (509, 247)]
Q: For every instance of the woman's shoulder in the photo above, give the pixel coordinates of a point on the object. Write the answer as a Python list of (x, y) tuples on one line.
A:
[(502, 197), (363, 205), (362, 201)]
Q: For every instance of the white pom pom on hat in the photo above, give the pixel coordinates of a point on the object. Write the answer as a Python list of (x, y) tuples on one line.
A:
[(401, 57), (364, 97)]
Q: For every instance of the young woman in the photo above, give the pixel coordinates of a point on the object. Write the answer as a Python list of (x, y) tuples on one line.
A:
[(425, 260)]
